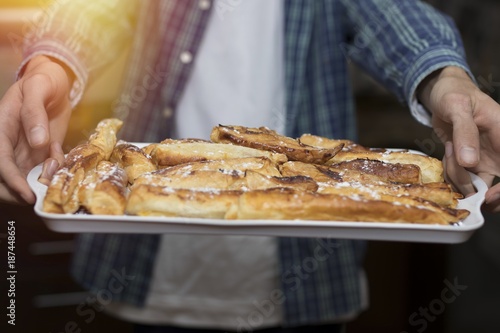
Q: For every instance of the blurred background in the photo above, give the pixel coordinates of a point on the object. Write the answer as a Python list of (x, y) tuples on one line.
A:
[(404, 278)]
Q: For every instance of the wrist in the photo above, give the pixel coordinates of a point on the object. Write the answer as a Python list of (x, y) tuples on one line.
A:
[(424, 89), (42, 59)]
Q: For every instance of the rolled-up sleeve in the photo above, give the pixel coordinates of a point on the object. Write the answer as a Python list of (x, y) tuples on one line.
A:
[(399, 43), (86, 35)]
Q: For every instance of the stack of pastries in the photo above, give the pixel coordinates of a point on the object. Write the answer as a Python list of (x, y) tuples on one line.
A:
[(251, 173)]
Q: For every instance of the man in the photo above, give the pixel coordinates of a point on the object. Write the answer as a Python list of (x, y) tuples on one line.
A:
[(276, 63)]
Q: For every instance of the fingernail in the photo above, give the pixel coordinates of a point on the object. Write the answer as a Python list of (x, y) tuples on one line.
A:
[(448, 149), (49, 169), (468, 155), (37, 136)]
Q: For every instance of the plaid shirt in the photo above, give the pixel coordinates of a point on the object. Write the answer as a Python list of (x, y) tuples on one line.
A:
[(398, 42)]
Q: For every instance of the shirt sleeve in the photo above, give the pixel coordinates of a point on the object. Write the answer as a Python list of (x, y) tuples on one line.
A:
[(399, 43), (85, 35)]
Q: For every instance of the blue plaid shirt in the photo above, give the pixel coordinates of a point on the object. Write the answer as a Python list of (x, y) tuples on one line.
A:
[(398, 42)]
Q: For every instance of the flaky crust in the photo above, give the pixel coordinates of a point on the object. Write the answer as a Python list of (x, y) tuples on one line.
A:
[(393, 172), (61, 196), (104, 135), (266, 139), (104, 190), (327, 143), (350, 182), (431, 168), (151, 200), (132, 159), (251, 173), (286, 204), (165, 155)]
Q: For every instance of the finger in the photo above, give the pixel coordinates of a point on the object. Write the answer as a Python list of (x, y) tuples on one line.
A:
[(17, 186), (36, 91), (456, 175), (56, 152), (466, 140), (8, 196), (49, 168), (492, 199)]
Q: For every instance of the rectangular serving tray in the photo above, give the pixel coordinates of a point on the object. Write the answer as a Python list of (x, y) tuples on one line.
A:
[(404, 232)]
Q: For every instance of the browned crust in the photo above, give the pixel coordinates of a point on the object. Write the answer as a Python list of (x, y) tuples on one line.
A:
[(249, 176), (61, 196), (338, 181), (326, 174), (132, 159), (286, 204), (165, 155), (430, 167), (104, 135), (104, 191), (193, 179), (323, 142), (266, 139), (393, 172), (151, 200), (254, 180)]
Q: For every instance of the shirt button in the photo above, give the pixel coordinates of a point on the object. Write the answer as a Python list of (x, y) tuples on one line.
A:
[(186, 57), (167, 112), (204, 4)]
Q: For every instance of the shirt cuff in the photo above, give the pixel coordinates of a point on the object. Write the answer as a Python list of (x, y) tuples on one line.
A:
[(431, 61), (57, 50)]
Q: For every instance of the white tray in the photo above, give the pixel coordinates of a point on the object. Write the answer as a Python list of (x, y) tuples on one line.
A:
[(80, 223)]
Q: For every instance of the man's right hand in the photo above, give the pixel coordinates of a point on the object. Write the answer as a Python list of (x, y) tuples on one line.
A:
[(34, 116)]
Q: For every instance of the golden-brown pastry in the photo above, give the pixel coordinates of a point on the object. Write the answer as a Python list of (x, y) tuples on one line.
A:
[(132, 159), (196, 179), (352, 182), (217, 174), (266, 139), (165, 155), (439, 193), (251, 173), (104, 190), (326, 174), (254, 180), (104, 136), (430, 167), (393, 172), (288, 204), (60, 196), (322, 142), (151, 200)]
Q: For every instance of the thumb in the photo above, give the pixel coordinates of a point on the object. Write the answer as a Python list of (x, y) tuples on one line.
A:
[(466, 139)]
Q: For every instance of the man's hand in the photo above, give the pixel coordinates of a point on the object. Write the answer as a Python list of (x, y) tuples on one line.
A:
[(467, 121), (34, 116)]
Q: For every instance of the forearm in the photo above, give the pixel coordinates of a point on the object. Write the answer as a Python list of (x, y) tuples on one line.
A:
[(401, 42)]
